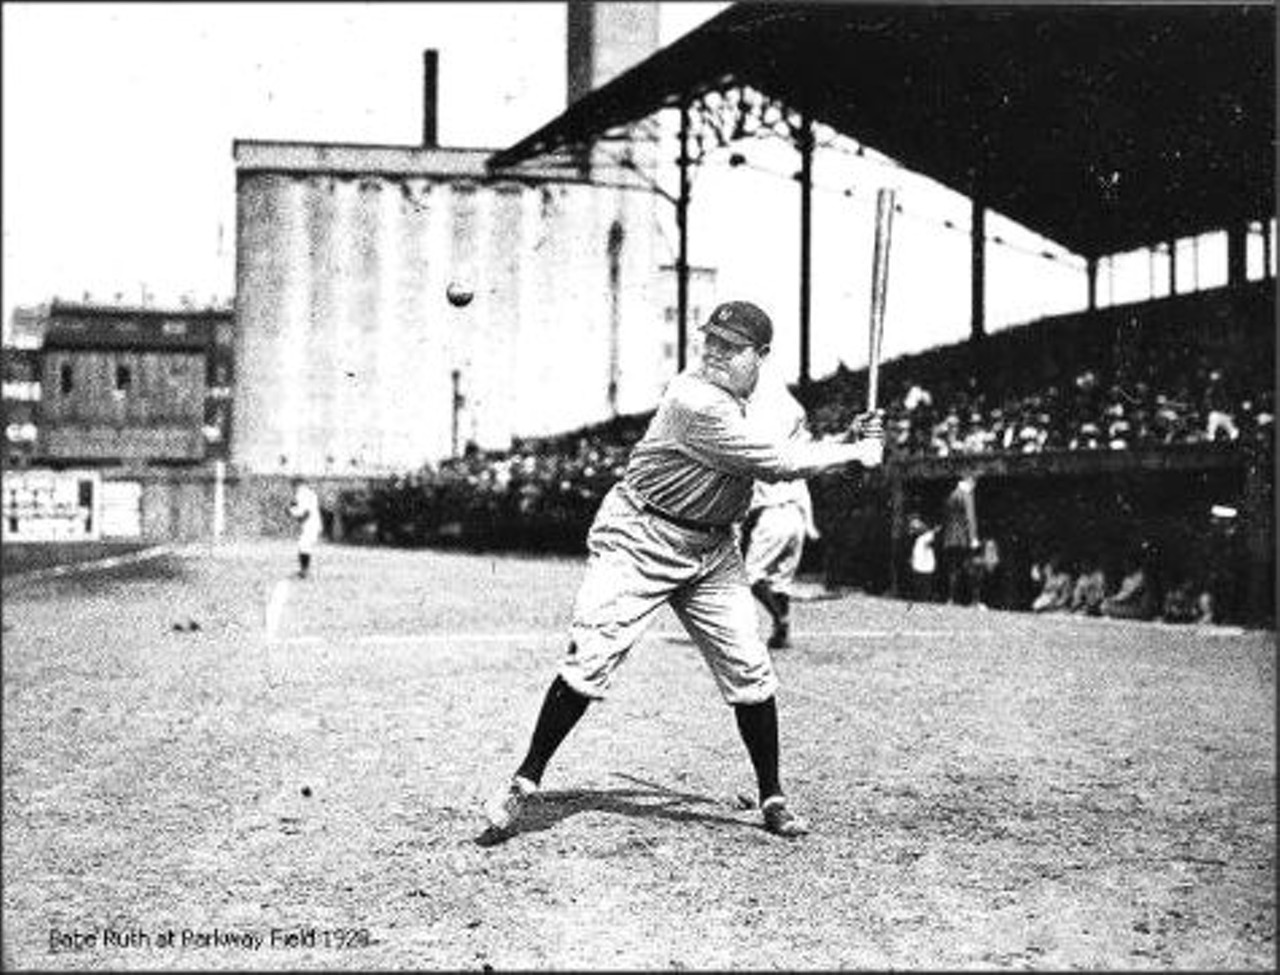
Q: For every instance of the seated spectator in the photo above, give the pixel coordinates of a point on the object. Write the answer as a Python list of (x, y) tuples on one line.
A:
[(1186, 603), (1056, 587), (1135, 599), (1206, 608), (1264, 425), (917, 398), (1088, 437), (1256, 418), (1088, 592), (1118, 428), (1164, 421)]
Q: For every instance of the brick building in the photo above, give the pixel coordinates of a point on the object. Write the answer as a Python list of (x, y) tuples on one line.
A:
[(98, 385)]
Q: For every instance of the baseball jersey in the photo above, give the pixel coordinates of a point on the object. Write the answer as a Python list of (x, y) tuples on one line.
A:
[(701, 422), (773, 406), (306, 509)]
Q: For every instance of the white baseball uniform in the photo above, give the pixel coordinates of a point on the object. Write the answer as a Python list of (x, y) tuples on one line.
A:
[(306, 510), (666, 533), (782, 510)]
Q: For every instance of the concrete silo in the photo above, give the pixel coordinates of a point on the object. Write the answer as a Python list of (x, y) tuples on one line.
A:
[(347, 343)]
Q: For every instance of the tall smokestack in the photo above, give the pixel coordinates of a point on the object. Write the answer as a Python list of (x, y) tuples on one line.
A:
[(604, 40), (580, 49), (430, 96)]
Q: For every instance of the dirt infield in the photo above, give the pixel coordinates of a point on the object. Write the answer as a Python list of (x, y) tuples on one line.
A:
[(295, 784)]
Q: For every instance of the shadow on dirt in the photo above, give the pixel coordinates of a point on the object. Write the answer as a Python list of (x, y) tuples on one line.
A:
[(548, 809), (97, 578)]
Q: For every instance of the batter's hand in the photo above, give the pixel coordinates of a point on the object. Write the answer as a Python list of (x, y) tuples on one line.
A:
[(868, 425)]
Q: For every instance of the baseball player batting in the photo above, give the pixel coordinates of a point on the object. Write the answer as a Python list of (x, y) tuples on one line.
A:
[(665, 533)]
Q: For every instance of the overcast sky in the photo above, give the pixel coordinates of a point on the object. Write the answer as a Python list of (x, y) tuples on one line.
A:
[(119, 118)]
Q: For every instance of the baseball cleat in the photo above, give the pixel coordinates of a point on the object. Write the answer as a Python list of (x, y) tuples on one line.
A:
[(505, 808), (781, 821)]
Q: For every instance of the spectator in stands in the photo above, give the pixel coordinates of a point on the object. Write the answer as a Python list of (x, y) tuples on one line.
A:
[(1087, 437), (1055, 587), (960, 540), (924, 559), (984, 570), (1256, 417), (1117, 427), (1136, 596), (1219, 409), (1164, 428), (1185, 603), (918, 407), (1264, 425), (1089, 591), (1219, 562)]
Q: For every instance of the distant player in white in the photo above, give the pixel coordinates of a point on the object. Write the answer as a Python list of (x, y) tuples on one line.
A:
[(780, 518), (305, 510), (665, 535)]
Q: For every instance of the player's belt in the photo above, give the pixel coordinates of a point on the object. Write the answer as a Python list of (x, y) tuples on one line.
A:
[(697, 526)]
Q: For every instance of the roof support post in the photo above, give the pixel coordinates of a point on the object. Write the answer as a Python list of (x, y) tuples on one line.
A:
[(1236, 268), (978, 271), (805, 145), (978, 291), (682, 258)]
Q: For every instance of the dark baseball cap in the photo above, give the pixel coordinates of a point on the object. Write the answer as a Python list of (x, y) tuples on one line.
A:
[(741, 323)]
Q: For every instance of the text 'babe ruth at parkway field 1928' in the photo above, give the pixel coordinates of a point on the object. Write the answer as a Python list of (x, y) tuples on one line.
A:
[(665, 533)]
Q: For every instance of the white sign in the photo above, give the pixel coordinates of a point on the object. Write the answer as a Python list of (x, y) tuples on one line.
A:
[(121, 509), (51, 506)]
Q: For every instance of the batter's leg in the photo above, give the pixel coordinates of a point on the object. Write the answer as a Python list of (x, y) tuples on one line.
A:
[(780, 638), (561, 709), (758, 725), (767, 598)]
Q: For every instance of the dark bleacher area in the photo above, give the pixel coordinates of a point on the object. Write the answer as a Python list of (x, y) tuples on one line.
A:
[(1159, 376), (1133, 375)]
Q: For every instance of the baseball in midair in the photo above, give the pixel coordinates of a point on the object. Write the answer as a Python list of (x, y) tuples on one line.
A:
[(459, 293)]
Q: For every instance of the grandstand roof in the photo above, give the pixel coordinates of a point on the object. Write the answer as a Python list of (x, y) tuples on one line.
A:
[(1101, 126)]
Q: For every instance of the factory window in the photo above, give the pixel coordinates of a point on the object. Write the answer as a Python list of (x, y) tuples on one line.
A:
[(66, 378), (124, 378)]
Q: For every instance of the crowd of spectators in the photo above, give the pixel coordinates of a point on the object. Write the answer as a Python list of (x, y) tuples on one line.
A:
[(541, 494), (1083, 590), (558, 481), (1090, 413)]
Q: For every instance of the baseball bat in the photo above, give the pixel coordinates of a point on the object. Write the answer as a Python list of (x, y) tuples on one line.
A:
[(879, 290)]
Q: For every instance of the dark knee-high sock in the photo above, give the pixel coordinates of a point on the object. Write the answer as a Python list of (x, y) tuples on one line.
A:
[(784, 606), (758, 725), (561, 709), (767, 597)]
